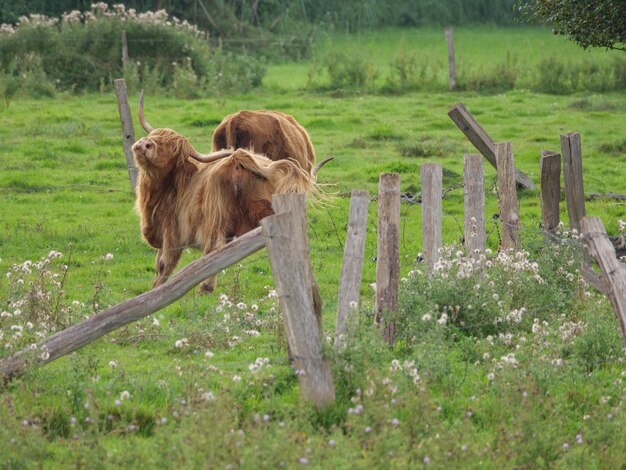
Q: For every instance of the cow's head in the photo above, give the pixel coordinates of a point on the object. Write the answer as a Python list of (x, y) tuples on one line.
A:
[(163, 149)]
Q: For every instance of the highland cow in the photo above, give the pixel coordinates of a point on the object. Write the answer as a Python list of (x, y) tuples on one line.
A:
[(273, 134), (187, 199)]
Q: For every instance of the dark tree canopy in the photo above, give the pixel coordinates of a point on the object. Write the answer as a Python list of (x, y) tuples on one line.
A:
[(589, 23)]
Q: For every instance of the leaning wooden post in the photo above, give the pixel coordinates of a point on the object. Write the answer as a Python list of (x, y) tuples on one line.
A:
[(128, 133), (348, 301), (509, 208), (474, 205), (288, 247), (388, 254), (573, 178), (77, 336), (612, 281), (550, 189), (432, 189), (481, 140)]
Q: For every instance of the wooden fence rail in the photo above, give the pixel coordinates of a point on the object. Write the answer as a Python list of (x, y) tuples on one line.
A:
[(77, 336)]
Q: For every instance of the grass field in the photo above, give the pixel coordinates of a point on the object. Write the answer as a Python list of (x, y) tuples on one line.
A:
[(188, 387)]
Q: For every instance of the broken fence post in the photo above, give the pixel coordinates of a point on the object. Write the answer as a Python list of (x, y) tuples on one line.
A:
[(550, 189), (481, 140), (612, 279)]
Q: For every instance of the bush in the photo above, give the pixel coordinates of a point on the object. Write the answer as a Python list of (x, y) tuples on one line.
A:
[(350, 72), (492, 295), (82, 51)]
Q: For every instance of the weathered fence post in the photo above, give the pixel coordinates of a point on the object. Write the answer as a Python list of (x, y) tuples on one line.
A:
[(509, 208), (77, 336), (481, 140), (573, 178), (612, 281), (550, 189), (125, 59), (288, 247), (474, 205), (432, 188), (451, 63), (287, 203), (388, 253), (128, 133), (348, 300)]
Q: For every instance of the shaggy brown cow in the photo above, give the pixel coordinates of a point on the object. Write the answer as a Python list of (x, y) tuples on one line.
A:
[(271, 133), (183, 203)]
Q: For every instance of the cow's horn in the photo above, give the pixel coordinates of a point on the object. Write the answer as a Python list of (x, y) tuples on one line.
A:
[(317, 167), (142, 120), (213, 156)]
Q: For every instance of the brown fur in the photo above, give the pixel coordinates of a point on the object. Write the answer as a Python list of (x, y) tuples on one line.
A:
[(185, 204), (271, 133)]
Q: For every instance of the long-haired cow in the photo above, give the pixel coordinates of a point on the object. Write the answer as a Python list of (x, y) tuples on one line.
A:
[(187, 199), (271, 133)]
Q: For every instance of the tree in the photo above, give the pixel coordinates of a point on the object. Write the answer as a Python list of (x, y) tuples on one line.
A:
[(589, 23)]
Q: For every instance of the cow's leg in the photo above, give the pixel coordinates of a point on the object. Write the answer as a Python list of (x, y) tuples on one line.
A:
[(208, 286), (166, 260)]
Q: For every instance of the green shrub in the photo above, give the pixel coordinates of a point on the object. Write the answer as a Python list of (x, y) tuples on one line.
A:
[(350, 72), (82, 51)]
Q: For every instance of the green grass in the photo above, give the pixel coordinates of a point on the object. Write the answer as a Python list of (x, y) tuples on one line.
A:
[(64, 187)]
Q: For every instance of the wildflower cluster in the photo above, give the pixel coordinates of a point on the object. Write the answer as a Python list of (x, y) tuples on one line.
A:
[(36, 305), (490, 294)]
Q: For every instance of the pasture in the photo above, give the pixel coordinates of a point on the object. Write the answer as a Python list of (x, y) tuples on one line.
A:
[(206, 382)]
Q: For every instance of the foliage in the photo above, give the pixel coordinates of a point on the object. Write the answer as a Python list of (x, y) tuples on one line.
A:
[(589, 23), (82, 51)]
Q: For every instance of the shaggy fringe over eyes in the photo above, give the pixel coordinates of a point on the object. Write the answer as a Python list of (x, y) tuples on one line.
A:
[(179, 145)]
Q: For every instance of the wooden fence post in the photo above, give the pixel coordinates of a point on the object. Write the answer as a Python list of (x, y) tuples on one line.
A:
[(451, 63), (348, 300), (573, 178), (432, 188), (288, 247), (125, 59), (128, 133), (481, 140), (77, 336), (509, 207), (612, 281), (288, 203), (388, 254), (550, 189), (474, 205)]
